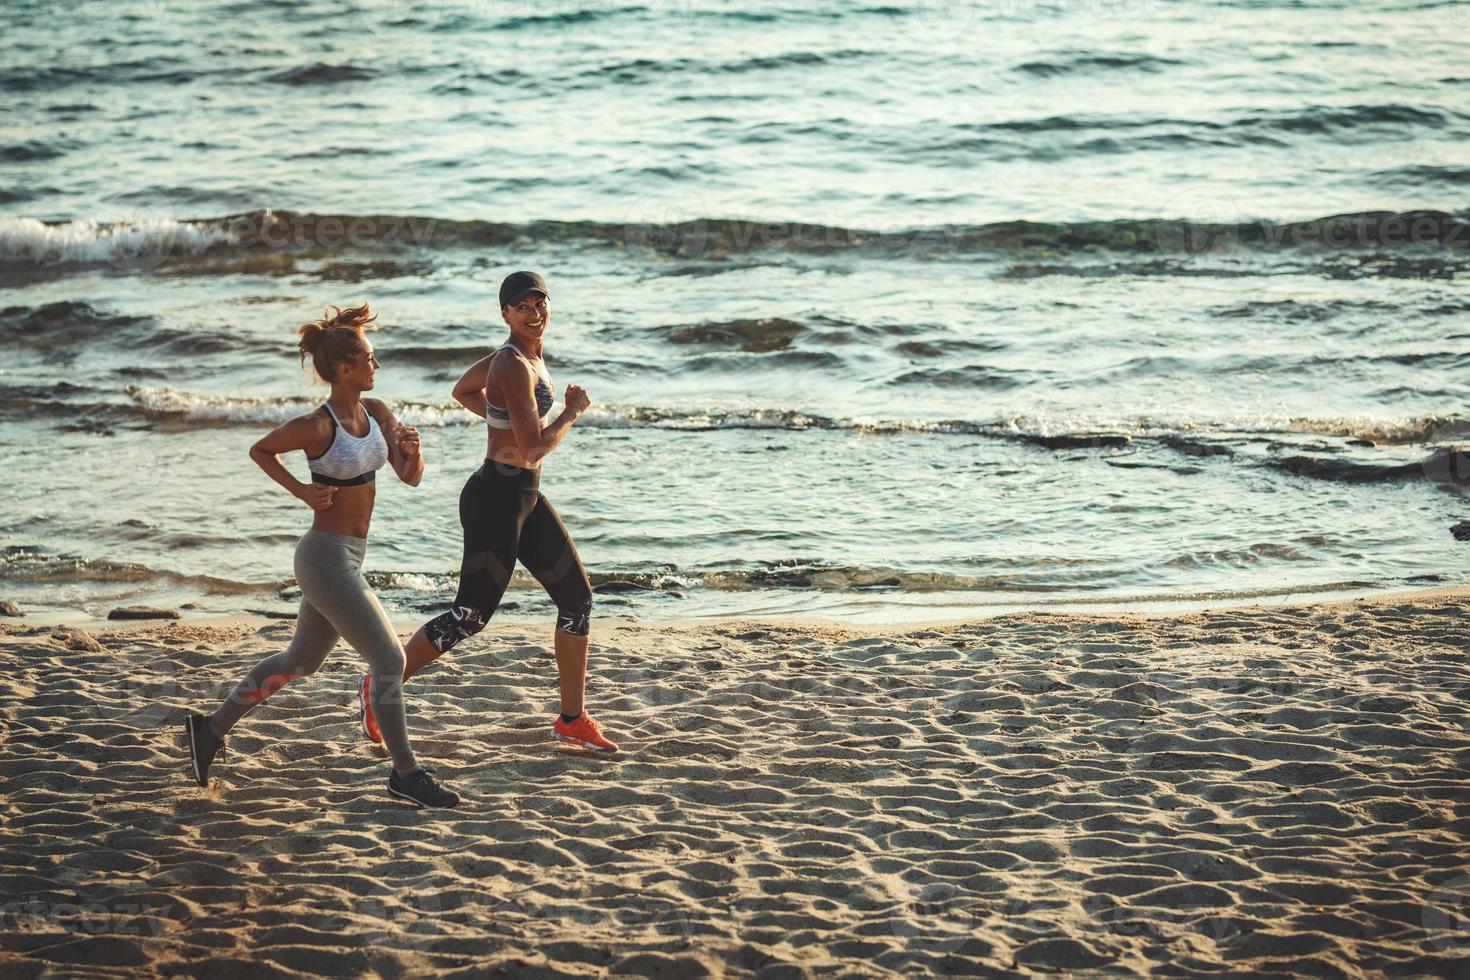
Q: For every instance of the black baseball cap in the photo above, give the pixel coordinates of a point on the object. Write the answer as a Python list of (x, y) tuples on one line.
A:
[(518, 284)]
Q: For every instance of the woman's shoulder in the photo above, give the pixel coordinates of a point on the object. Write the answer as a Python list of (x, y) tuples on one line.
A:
[(311, 432), (512, 351), (378, 409), (315, 418), (514, 366)]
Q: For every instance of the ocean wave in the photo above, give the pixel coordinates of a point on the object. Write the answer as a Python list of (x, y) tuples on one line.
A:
[(152, 69), (322, 74), (206, 410), (1253, 554), (1078, 62), (63, 322), (1342, 470), (1193, 436), (29, 241), (645, 69), (20, 195), (29, 566), (63, 329), (461, 356), (149, 242), (179, 408), (755, 335), (34, 150), (1294, 309), (1212, 254), (969, 376), (1383, 432), (565, 18), (1418, 176), (802, 574), (1324, 118), (1316, 119), (194, 409), (32, 565)]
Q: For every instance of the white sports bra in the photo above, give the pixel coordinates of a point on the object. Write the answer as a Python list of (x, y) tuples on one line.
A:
[(499, 418), (350, 460)]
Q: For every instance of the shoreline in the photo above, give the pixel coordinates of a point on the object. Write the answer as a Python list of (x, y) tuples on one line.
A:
[(1156, 608)]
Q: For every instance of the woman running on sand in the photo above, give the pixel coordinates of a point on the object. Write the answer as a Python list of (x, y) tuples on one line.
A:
[(344, 441), (505, 516)]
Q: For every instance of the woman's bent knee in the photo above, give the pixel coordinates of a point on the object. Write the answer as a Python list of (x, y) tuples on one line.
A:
[(460, 622), (575, 619), (386, 660), (304, 663)]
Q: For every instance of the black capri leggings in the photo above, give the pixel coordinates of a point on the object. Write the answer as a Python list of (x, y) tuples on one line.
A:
[(505, 516)]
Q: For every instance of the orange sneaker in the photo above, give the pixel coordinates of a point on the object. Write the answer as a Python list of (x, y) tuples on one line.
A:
[(584, 732), (364, 695)]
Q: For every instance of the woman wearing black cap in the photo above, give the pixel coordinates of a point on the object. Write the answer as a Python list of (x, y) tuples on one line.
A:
[(504, 515)]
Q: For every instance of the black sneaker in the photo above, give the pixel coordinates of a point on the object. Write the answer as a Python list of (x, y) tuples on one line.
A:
[(203, 745), (421, 788)]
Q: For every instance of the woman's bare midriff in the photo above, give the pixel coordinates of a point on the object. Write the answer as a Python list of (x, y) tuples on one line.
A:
[(350, 513), (504, 448)]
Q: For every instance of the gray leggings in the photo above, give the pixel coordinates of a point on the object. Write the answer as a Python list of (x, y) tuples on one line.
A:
[(335, 602)]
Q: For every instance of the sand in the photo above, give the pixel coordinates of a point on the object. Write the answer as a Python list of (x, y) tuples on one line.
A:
[(1278, 791)]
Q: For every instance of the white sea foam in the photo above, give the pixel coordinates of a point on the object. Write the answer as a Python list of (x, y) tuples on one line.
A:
[(1384, 430), (189, 406), (87, 240)]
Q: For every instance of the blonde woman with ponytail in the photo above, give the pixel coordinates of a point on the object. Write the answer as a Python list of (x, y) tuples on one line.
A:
[(345, 441)]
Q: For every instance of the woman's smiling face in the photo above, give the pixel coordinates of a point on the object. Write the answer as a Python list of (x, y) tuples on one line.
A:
[(529, 317), (362, 371)]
